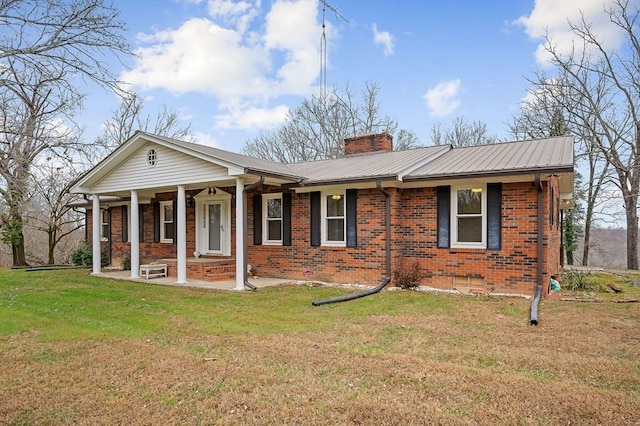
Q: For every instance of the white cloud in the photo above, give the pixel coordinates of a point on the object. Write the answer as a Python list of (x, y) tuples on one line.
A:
[(240, 62), (384, 39), (253, 117), (443, 99), (552, 17), (204, 139)]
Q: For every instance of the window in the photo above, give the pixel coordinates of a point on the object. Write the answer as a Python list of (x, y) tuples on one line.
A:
[(469, 213), (333, 209), (166, 222), (152, 157), (272, 213), (104, 225)]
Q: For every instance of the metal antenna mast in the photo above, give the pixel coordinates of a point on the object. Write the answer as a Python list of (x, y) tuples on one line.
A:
[(323, 47)]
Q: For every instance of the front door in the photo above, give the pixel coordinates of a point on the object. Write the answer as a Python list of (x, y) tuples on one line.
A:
[(213, 222), (216, 227)]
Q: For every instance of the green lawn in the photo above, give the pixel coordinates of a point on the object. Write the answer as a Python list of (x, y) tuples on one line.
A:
[(78, 349)]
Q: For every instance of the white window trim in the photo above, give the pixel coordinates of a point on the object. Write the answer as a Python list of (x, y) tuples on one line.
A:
[(104, 223), (128, 223), (265, 219), (454, 217), (202, 200), (323, 226), (162, 222)]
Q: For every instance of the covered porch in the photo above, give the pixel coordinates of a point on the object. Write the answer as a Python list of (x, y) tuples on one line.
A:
[(176, 203)]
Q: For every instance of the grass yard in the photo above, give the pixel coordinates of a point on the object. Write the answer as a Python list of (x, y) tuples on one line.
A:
[(83, 350)]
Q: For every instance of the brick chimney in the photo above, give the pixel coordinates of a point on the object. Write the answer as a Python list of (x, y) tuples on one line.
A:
[(375, 142)]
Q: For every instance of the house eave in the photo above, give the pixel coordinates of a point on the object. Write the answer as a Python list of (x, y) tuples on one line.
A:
[(491, 174), (345, 181)]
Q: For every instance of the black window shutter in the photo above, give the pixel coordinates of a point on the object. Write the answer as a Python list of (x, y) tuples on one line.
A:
[(141, 222), (444, 215), (315, 218), (257, 220), (156, 222), (494, 216), (286, 219), (125, 225), (175, 221), (352, 217)]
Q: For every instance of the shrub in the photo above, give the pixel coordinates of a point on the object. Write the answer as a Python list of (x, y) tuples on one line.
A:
[(407, 278), (83, 256), (578, 281), (126, 263)]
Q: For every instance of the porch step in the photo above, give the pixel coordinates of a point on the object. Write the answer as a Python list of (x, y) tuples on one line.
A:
[(205, 268)]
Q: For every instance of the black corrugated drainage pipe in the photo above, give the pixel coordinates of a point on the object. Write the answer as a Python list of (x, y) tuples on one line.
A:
[(352, 296), (244, 218), (384, 282), (536, 299)]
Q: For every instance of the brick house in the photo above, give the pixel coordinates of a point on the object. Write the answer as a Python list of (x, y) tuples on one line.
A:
[(483, 218)]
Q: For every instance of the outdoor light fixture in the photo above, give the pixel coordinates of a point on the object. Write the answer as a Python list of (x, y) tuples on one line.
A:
[(336, 197), (476, 190)]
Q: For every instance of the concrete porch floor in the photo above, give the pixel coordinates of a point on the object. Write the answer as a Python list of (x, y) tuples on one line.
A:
[(214, 285)]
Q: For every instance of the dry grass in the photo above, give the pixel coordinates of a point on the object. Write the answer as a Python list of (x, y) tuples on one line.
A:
[(400, 357)]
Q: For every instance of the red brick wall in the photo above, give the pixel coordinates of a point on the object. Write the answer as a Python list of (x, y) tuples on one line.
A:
[(363, 264), (512, 269), (382, 142)]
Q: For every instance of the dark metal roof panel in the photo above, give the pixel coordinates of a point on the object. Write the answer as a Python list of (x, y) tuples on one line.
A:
[(509, 157), (363, 166)]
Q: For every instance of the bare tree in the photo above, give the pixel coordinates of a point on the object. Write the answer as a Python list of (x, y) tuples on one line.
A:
[(462, 133), (46, 48), (54, 215), (316, 129), (553, 109), (130, 117), (604, 90)]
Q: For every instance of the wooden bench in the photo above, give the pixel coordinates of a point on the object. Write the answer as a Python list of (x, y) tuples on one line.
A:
[(153, 270)]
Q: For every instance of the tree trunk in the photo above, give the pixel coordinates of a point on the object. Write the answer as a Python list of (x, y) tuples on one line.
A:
[(632, 234), (52, 247), (17, 249), (587, 236)]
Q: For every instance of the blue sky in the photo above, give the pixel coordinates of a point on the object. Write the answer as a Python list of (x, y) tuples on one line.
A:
[(233, 68)]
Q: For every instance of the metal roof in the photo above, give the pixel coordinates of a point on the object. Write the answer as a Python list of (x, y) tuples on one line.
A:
[(366, 166), (552, 154)]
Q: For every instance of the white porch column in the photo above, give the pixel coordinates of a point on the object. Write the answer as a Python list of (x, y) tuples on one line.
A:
[(181, 229), (134, 237), (95, 234), (240, 254)]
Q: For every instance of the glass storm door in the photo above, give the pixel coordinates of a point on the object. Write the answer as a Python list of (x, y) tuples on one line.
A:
[(216, 229)]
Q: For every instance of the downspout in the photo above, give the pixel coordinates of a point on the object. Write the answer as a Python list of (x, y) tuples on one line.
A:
[(536, 299), (244, 243), (384, 282)]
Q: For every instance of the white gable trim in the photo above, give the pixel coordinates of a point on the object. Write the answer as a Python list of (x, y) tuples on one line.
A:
[(120, 155)]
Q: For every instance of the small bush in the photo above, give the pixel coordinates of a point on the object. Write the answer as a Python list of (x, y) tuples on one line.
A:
[(407, 278), (578, 281), (83, 256), (126, 263)]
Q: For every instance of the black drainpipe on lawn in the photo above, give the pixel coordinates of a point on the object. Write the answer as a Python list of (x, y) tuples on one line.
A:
[(244, 243), (536, 299), (384, 282)]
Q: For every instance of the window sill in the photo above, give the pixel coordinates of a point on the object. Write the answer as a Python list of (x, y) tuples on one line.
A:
[(467, 249), (333, 245)]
